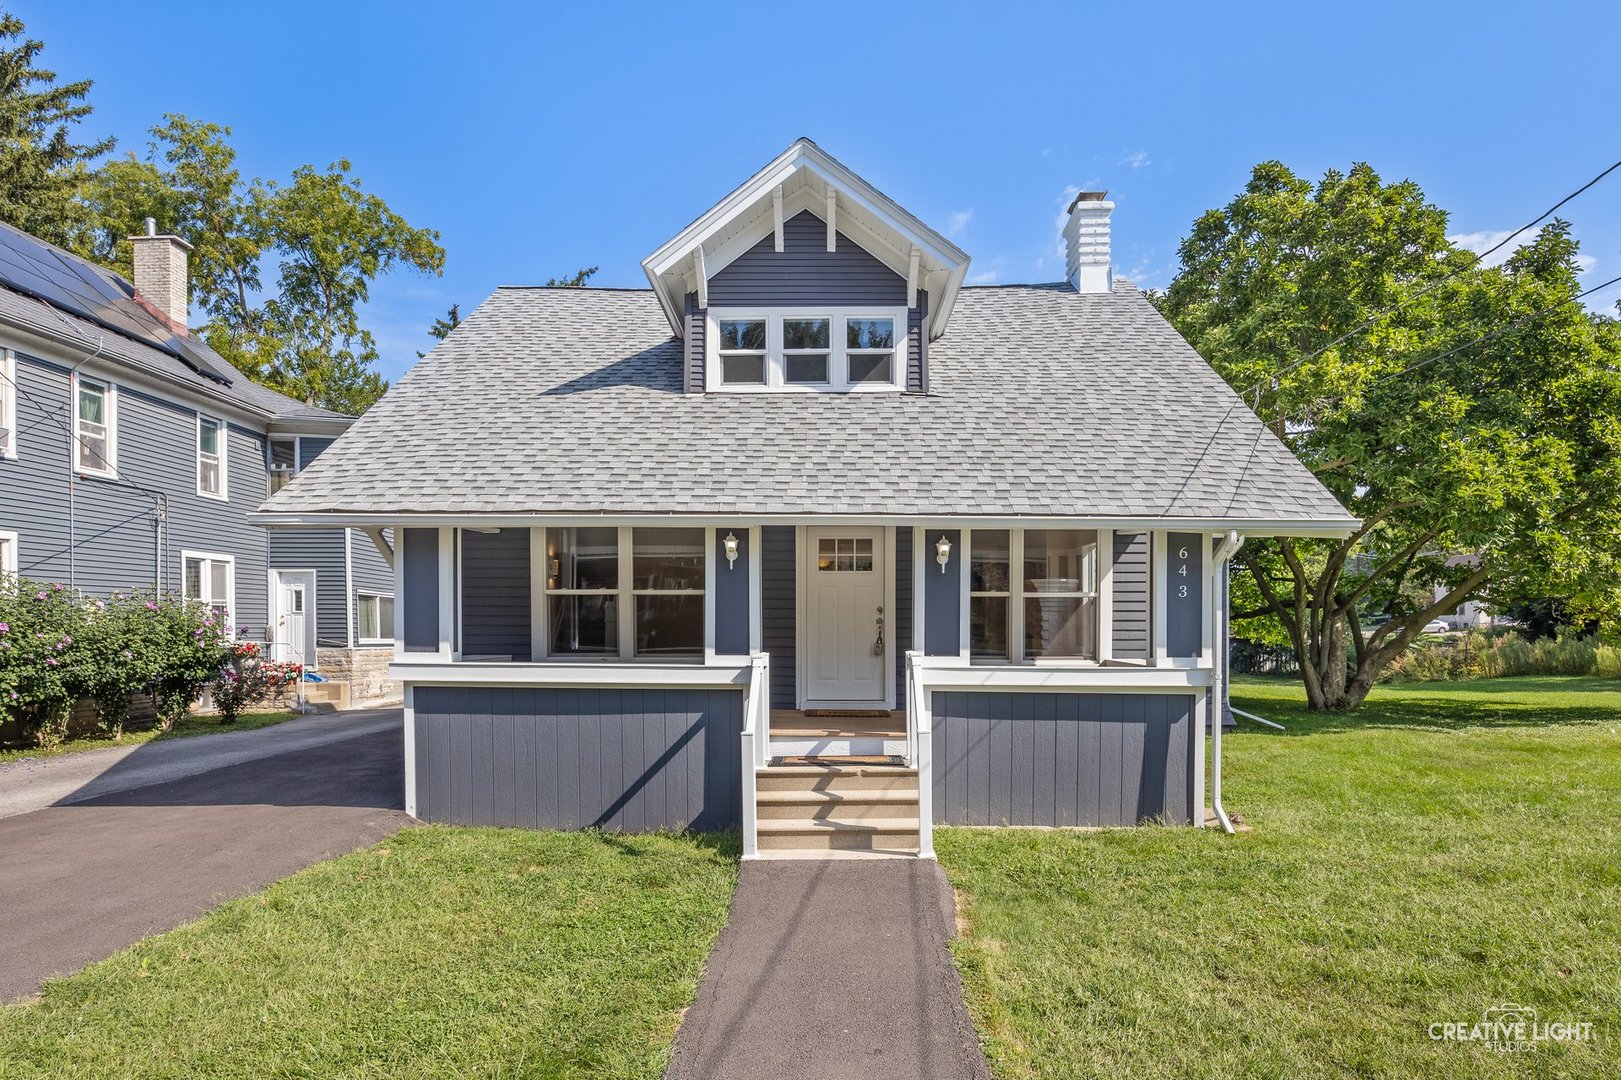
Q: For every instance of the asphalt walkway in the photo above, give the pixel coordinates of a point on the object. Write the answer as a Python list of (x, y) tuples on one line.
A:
[(832, 970)]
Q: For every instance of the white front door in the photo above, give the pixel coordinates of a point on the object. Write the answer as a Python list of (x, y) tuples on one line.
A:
[(294, 637), (846, 627)]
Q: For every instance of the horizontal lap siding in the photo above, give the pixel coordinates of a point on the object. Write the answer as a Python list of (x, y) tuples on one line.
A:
[(1129, 584), (1062, 759), (631, 760), (777, 614), (495, 593), (692, 377), (320, 550), (805, 272)]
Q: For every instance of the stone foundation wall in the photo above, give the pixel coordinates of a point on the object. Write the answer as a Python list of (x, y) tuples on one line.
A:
[(366, 672)]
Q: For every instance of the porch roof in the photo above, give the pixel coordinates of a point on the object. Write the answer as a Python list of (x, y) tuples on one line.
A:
[(1043, 402)]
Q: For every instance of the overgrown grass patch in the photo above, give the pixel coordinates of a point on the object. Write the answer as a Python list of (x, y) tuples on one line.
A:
[(441, 952), (1448, 849)]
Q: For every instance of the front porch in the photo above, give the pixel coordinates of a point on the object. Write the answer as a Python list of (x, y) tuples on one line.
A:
[(882, 677)]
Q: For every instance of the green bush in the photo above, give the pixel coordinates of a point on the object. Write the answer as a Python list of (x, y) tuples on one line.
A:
[(1500, 654), (56, 647)]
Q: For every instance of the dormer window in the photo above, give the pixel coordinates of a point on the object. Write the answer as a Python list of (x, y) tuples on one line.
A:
[(818, 351)]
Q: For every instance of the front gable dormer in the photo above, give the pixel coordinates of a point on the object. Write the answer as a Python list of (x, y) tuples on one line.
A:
[(807, 278)]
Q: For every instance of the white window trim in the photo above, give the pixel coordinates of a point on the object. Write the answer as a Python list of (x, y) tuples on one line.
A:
[(110, 399), (1017, 595), (224, 493), (9, 544), (838, 354), (230, 582), (362, 595), (541, 613), (8, 404)]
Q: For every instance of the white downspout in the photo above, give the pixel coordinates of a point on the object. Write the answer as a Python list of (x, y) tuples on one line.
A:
[(1229, 545)]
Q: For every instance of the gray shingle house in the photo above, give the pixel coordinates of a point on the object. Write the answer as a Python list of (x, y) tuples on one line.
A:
[(811, 539), (131, 455)]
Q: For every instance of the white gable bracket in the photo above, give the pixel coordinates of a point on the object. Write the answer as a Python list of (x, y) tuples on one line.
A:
[(380, 541), (701, 276), (776, 213), (912, 264), (832, 213)]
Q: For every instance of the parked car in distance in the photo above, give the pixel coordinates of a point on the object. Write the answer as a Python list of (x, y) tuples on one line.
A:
[(1436, 626)]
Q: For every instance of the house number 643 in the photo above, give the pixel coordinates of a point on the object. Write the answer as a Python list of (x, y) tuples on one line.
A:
[(1182, 553)]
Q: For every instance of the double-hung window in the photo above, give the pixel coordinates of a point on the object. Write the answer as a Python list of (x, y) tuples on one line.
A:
[(283, 462), (210, 457), (1049, 611), (8, 553), (806, 350), (95, 449), (375, 622), (625, 592), (8, 404), (211, 579)]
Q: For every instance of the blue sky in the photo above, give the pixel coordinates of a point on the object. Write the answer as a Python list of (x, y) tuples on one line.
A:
[(539, 141)]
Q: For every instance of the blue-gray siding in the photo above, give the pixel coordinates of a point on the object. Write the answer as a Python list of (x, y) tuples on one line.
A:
[(692, 373), (495, 593), (419, 548), (732, 592), (1063, 759), (1132, 637), (629, 760), (114, 524), (777, 612), (1184, 594), (369, 572), (902, 619), (321, 550), (942, 596), (917, 345)]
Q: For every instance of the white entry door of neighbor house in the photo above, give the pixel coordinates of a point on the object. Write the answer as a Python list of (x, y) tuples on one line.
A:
[(294, 638), (846, 629)]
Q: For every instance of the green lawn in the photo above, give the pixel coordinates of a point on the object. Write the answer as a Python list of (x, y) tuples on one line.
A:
[(1451, 847), (440, 953), (191, 725)]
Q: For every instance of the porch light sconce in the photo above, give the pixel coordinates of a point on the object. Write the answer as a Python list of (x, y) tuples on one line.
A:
[(730, 543), (942, 552)]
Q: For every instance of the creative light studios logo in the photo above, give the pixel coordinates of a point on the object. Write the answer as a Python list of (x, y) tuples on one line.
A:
[(1510, 1028)]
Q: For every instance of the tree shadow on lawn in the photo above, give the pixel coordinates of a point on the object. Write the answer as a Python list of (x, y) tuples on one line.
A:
[(1515, 703), (727, 846)]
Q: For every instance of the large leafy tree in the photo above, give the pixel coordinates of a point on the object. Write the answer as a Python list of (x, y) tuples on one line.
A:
[(1469, 416), (281, 271), (42, 167)]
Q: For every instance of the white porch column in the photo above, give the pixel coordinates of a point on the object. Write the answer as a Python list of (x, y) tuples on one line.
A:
[(447, 594), (1159, 585)]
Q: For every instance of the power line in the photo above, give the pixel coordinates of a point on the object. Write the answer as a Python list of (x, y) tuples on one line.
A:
[(1436, 284)]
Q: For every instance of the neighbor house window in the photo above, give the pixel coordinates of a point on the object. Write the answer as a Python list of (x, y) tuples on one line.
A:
[(95, 428), (8, 553), (668, 580), (210, 457), (375, 623), (593, 573), (582, 591), (1049, 611), (8, 404), (773, 349), (210, 579), (283, 463)]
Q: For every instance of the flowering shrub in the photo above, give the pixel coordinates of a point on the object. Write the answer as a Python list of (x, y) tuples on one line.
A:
[(247, 677), (56, 648)]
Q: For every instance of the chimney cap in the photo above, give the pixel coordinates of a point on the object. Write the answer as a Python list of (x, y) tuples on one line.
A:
[(150, 232), (1086, 196)]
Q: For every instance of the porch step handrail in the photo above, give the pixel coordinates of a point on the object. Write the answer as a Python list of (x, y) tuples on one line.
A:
[(755, 744), (920, 748)]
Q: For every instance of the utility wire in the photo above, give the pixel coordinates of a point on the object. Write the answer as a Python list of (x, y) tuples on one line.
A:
[(1254, 391)]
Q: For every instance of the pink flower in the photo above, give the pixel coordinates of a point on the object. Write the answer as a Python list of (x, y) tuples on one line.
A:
[(50, 661), (5, 628), (150, 606), (42, 595)]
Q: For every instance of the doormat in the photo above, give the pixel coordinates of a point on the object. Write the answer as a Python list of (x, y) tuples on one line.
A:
[(849, 712)]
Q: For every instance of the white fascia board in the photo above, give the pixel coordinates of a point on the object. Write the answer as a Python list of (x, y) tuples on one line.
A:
[(424, 669), (281, 519)]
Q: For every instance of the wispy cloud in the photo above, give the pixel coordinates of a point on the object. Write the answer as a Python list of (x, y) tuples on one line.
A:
[(958, 221), (1485, 240), (985, 277), (1137, 159)]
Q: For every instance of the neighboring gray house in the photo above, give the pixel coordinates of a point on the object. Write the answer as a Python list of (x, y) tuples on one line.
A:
[(810, 539), (132, 453)]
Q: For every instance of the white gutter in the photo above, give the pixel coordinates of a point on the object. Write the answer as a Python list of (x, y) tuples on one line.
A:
[(1229, 545)]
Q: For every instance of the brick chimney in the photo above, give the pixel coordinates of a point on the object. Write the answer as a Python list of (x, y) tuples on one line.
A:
[(1086, 243), (160, 275)]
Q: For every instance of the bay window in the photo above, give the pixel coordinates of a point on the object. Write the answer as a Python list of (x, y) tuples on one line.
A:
[(625, 592), (807, 350), (1049, 611)]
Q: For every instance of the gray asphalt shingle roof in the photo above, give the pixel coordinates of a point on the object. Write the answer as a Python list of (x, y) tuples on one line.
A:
[(1042, 402)]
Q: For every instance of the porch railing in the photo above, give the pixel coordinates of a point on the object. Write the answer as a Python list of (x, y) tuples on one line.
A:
[(920, 748), (756, 744)]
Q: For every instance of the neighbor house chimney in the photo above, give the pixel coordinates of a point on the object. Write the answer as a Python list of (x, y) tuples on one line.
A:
[(160, 274), (1086, 243)]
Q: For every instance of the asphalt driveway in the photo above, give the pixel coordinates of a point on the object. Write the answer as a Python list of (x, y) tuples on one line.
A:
[(81, 880)]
